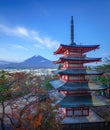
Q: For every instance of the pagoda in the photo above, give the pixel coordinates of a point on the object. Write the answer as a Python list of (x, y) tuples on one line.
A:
[(74, 82)]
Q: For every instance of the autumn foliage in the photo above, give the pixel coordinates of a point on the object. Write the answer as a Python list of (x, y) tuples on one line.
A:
[(29, 106)]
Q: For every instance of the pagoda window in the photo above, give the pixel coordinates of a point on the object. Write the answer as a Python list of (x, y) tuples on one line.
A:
[(64, 77), (62, 110), (81, 111), (80, 92), (71, 92), (66, 52), (75, 54), (78, 78), (76, 65), (65, 65), (64, 92), (77, 112), (69, 112), (85, 111), (73, 78)]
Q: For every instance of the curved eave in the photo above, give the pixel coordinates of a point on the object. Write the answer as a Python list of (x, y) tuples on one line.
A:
[(81, 101), (77, 60), (78, 72), (76, 86), (84, 48)]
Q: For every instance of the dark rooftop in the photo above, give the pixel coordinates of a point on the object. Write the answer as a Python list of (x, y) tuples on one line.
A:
[(78, 71), (75, 86), (79, 58), (86, 100), (80, 46)]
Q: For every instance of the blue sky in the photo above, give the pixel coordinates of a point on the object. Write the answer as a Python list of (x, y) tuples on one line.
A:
[(38, 27)]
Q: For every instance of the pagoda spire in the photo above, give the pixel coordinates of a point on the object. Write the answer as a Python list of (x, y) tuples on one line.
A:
[(72, 31)]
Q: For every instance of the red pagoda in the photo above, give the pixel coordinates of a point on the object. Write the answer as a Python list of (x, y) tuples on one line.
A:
[(79, 93)]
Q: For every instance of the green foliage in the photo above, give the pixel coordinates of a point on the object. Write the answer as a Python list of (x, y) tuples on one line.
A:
[(103, 80), (4, 89), (105, 68), (48, 85), (89, 68), (2, 78), (60, 66), (27, 113)]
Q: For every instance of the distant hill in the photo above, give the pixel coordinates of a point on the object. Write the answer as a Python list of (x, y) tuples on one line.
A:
[(2, 62), (34, 62)]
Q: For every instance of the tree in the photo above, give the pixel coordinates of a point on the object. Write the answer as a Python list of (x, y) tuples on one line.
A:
[(105, 79), (28, 111), (9, 88), (4, 95), (48, 86), (60, 66), (37, 116)]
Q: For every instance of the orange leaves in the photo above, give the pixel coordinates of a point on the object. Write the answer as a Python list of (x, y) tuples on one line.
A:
[(30, 117), (38, 122), (40, 117), (26, 114), (15, 115)]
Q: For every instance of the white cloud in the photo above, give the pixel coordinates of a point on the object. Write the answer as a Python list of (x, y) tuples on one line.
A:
[(20, 47), (46, 41), (38, 46), (18, 31), (33, 35), (38, 39), (22, 31), (51, 43)]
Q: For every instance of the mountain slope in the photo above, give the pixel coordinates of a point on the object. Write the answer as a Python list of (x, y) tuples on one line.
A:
[(2, 62), (34, 62)]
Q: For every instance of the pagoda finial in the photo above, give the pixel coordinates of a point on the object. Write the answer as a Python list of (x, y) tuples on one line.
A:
[(72, 31)]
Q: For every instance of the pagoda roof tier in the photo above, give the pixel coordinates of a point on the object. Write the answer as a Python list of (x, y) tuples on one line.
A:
[(81, 101), (91, 118), (75, 86), (78, 72), (84, 48), (77, 59)]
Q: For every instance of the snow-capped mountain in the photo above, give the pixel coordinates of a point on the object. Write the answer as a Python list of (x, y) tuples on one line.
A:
[(33, 62)]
